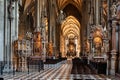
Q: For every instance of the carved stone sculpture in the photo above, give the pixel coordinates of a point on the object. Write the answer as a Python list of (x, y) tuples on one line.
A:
[(113, 10)]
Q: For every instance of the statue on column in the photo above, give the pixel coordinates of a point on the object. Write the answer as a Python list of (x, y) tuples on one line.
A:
[(118, 10), (113, 9), (10, 9)]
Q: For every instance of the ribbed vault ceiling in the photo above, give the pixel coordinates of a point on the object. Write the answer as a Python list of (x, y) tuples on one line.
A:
[(71, 27), (63, 3)]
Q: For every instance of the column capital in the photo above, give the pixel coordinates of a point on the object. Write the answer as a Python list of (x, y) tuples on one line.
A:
[(114, 23), (113, 53), (114, 20)]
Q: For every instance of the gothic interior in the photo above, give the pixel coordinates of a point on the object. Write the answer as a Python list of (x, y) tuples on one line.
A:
[(81, 34)]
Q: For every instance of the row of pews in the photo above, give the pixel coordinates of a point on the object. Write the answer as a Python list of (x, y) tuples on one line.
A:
[(81, 67), (100, 66), (54, 62), (34, 63)]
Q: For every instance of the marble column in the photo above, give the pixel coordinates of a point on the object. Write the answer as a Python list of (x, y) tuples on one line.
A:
[(113, 52)]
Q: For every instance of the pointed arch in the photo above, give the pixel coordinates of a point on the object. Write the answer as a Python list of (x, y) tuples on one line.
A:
[(70, 24)]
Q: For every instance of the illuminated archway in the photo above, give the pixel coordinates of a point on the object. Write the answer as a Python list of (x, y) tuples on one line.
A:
[(70, 28)]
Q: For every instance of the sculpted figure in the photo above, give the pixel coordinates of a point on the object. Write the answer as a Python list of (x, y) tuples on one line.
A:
[(113, 10)]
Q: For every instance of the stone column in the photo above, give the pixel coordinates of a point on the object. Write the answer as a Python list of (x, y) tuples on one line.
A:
[(66, 42), (37, 32), (50, 12), (113, 52), (38, 15), (119, 44), (97, 12), (5, 30), (3, 26), (90, 41), (44, 44), (76, 48), (106, 56), (90, 50), (43, 25), (91, 53), (16, 20), (9, 35), (54, 34), (52, 27), (108, 65)]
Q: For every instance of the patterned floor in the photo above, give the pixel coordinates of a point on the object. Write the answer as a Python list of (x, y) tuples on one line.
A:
[(56, 73)]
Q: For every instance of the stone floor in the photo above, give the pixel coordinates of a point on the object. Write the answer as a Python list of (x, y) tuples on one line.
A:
[(56, 73)]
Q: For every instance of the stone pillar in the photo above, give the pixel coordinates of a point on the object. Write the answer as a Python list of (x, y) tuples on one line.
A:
[(9, 35), (97, 12), (2, 29), (76, 48), (119, 45), (43, 25), (90, 40), (16, 20), (66, 42), (108, 65), (37, 32), (5, 30), (38, 15), (106, 56), (90, 55), (52, 26), (44, 44), (50, 12), (54, 34), (113, 52)]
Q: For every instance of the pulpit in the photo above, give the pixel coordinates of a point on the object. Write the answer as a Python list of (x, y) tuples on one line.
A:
[(23, 49)]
